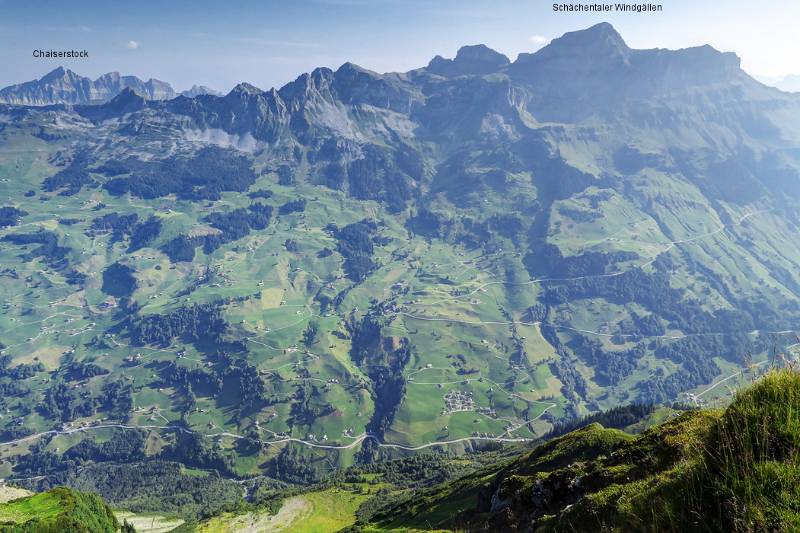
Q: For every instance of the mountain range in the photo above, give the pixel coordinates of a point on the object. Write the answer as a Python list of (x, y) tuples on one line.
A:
[(62, 86), (789, 83), (357, 267)]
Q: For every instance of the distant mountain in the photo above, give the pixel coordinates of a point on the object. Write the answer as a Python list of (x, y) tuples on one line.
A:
[(789, 83), (198, 90), (470, 60), (62, 86)]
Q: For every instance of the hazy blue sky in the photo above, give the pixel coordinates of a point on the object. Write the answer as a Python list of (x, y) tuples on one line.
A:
[(268, 43)]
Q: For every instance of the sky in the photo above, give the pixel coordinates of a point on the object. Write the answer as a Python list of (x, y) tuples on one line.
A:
[(269, 43)]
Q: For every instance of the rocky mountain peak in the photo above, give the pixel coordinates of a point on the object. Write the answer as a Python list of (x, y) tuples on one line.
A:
[(245, 88), (480, 53), (476, 59), (593, 68), (127, 101), (321, 78), (600, 37), (127, 97), (596, 47), (110, 77), (57, 74), (198, 90), (63, 86)]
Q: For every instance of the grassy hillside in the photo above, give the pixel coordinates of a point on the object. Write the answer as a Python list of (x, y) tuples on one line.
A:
[(706, 470), (314, 512), (482, 349), (57, 511)]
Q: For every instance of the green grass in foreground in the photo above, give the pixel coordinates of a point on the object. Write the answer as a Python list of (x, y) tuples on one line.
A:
[(710, 470), (57, 511), (707, 470), (314, 512), (752, 456)]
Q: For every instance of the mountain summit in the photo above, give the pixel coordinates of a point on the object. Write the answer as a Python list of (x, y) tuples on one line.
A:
[(199, 90), (63, 86), (470, 60), (599, 55)]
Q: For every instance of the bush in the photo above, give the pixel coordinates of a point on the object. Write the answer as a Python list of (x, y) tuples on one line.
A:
[(118, 280), (9, 216)]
